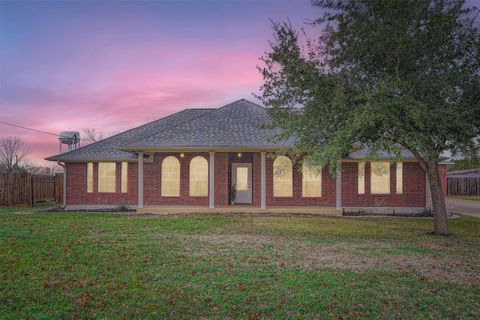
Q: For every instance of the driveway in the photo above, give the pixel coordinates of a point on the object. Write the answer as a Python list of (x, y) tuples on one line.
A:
[(467, 207)]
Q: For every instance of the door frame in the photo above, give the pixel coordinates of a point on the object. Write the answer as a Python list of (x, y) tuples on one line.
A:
[(248, 165)]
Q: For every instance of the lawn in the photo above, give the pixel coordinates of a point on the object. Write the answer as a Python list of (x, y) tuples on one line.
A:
[(85, 265)]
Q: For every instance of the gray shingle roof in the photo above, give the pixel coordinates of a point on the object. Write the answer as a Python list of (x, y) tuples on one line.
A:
[(364, 153), (107, 149), (236, 125)]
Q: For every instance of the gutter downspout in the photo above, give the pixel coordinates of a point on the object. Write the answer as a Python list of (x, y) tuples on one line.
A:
[(64, 196)]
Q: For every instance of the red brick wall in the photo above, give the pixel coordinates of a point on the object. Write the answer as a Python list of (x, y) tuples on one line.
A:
[(413, 184), (413, 187), (328, 189), (77, 186), (77, 183), (222, 180), (152, 181)]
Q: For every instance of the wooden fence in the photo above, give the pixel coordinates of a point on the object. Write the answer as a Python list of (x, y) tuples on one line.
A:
[(463, 186), (26, 189)]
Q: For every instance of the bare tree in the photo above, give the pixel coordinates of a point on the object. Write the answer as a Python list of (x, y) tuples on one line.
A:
[(13, 154), (50, 171), (91, 135)]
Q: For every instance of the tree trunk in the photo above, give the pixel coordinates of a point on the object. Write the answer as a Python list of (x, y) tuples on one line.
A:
[(438, 200)]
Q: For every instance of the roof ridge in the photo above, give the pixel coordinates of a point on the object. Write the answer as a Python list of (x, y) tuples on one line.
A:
[(183, 122), (200, 109), (255, 104)]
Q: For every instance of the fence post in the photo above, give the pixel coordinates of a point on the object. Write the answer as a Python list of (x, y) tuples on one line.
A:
[(32, 191)]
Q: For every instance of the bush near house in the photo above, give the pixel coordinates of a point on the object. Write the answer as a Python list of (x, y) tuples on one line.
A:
[(89, 265)]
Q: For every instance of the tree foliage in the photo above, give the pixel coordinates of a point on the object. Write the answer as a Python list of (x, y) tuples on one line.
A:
[(385, 75)]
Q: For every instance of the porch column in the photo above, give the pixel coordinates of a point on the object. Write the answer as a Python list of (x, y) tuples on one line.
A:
[(140, 180), (263, 181), (338, 189), (211, 181)]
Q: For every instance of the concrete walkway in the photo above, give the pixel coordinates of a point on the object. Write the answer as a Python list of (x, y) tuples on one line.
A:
[(467, 207)]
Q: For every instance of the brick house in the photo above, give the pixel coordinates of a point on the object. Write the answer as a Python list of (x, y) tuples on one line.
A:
[(195, 158)]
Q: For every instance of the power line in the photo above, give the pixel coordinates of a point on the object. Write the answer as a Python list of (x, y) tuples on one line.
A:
[(31, 129)]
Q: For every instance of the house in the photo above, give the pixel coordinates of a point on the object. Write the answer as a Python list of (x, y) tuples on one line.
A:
[(190, 161)]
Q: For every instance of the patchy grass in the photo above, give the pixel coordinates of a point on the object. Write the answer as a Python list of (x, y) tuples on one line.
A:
[(87, 265), (471, 198)]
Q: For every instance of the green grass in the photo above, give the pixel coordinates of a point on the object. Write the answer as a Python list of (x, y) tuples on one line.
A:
[(472, 198), (86, 265)]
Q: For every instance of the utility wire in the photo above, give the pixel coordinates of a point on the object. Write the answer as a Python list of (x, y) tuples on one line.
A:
[(22, 127)]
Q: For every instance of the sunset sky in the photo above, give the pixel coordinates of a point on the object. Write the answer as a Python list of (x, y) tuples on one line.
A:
[(115, 65)]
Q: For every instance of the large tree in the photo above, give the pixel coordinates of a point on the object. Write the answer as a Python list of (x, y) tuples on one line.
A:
[(384, 75)]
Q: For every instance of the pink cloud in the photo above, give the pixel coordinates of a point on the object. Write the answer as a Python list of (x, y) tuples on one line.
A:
[(119, 96)]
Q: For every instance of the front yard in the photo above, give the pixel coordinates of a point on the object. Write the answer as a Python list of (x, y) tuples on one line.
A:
[(81, 265)]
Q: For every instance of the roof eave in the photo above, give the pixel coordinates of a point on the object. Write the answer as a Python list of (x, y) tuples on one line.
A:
[(204, 149), (93, 160)]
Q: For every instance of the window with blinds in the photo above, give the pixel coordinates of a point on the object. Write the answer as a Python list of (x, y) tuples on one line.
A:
[(170, 183), (282, 177), (399, 177), (106, 176), (361, 177), (311, 181), (198, 177), (380, 177), (90, 177), (124, 185)]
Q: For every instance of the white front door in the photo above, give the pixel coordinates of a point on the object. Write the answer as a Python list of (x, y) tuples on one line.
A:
[(242, 181)]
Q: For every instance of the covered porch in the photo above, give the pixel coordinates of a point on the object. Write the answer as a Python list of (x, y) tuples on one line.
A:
[(208, 187), (241, 169)]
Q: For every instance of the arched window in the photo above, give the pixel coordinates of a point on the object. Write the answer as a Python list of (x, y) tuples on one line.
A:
[(282, 177), (170, 177), (311, 180), (198, 177)]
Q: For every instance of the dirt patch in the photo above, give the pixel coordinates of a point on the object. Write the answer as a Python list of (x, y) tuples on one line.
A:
[(358, 257)]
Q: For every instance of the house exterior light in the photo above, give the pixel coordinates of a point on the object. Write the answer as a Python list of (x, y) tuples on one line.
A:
[(182, 155), (239, 154)]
